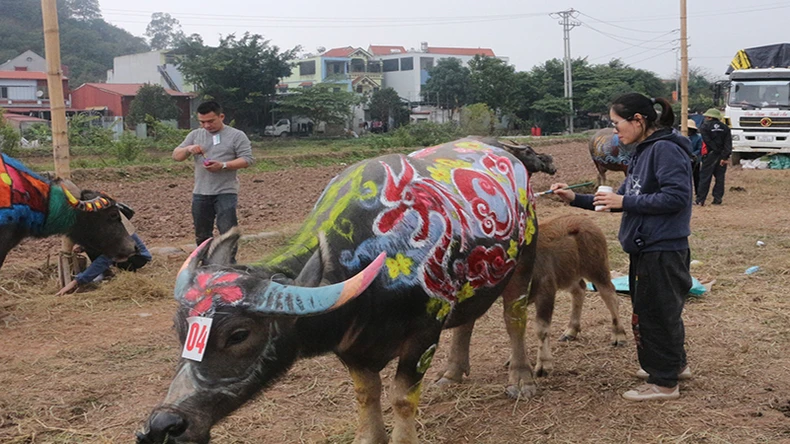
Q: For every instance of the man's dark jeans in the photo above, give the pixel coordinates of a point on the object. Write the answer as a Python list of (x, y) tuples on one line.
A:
[(208, 208)]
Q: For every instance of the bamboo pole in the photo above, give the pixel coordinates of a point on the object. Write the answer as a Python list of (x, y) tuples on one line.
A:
[(684, 72), (67, 263)]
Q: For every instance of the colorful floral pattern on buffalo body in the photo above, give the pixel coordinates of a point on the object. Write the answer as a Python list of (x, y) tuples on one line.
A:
[(452, 219), (23, 195)]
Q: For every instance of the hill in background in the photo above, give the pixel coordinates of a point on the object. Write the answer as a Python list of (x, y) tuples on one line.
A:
[(88, 44)]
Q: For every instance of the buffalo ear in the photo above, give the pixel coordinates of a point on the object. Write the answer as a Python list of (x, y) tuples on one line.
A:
[(316, 267), (221, 249)]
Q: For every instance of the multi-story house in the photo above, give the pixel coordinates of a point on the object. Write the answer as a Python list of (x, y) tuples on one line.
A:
[(155, 67), (406, 71), (347, 69), (26, 92)]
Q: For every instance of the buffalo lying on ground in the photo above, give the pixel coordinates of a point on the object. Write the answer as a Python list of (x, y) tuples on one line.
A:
[(396, 249), (31, 206), (608, 153)]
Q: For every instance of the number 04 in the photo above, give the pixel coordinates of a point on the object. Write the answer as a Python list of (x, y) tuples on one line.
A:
[(197, 337)]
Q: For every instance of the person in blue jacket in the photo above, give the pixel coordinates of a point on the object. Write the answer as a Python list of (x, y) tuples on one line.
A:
[(655, 199), (696, 152), (99, 269)]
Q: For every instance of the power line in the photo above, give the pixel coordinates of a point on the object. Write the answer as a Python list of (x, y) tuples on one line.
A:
[(621, 27), (619, 38), (363, 20)]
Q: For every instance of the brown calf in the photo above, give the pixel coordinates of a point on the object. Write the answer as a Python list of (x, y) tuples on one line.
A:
[(570, 249)]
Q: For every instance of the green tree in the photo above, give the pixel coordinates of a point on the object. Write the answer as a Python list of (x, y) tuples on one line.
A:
[(9, 138), (449, 84), (386, 103), (477, 119), (152, 100), (493, 82), (240, 74), (164, 31), (88, 45), (320, 104), (80, 9)]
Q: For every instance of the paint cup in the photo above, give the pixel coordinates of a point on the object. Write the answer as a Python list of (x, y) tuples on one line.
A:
[(603, 189)]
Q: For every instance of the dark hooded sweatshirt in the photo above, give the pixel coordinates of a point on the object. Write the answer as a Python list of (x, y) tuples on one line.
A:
[(658, 193)]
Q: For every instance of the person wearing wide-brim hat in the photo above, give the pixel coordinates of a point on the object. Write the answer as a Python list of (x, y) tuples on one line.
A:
[(716, 150), (696, 151)]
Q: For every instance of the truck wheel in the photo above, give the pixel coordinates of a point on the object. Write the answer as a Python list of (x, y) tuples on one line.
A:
[(735, 159), (286, 134)]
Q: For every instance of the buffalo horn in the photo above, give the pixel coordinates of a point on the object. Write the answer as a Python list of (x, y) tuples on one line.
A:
[(290, 300)]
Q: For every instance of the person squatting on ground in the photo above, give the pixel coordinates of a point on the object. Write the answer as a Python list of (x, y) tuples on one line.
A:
[(716, 152), (218, 150), (99, 269), (696, 152), (655, 199)]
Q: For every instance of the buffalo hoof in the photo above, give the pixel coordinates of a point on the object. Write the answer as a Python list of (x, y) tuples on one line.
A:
[(446, 382), (567, 338), (618, 343), (542, 372), (523, 392)]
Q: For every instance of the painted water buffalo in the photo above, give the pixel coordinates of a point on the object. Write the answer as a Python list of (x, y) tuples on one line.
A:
[(433, 239), (608, 153), (31, 206)]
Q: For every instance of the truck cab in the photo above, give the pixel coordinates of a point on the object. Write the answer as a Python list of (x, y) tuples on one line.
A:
[(280, 129)]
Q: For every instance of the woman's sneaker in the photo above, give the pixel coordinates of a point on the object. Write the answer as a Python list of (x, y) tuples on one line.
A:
[(647, 392), (683, 375)]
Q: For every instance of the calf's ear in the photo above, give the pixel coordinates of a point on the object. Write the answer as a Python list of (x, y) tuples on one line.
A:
[(221, 249)]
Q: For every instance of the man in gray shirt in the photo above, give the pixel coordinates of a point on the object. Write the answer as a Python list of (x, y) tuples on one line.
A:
[(218, 151)]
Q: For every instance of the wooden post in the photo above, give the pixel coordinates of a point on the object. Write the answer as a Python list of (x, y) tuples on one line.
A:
[(684, 72), (60, 137)]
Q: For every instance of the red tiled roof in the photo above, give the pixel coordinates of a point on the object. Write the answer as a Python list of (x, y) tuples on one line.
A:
[(461, 51), (306, 84), (339, 52), (386, 50), (25, 75), (128, 89), (23, 118)]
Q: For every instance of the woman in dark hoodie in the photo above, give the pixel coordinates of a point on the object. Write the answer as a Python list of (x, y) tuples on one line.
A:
[(655, 200)]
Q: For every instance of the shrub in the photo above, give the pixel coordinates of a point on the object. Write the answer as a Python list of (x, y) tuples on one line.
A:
[(477, 119), (83, 132), (416, 134), (128, 147), (9, 138), (38, 131)]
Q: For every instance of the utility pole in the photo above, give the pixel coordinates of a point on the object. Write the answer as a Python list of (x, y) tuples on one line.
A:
[(684, 72), (67, 263), (568, 24)]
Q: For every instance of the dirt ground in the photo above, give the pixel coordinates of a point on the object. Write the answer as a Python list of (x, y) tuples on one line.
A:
[(88, 367)]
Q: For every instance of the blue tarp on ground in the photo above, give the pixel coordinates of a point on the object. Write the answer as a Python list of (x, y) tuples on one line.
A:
[(621, 286)]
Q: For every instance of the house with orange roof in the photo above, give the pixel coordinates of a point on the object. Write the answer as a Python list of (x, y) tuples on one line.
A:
[(26, 92), (346, 68), (406, 71)]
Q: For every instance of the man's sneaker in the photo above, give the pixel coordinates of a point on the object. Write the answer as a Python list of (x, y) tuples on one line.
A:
[(683, 375), (716, 202), (647, 392), (699, 204)]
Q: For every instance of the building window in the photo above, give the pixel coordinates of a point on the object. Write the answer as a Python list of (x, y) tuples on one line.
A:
[(407, 64), (426, 63), (307, 68), (359, 89), (3, 92), (374, 66), (337, 90), (357, 65), (390, 65)]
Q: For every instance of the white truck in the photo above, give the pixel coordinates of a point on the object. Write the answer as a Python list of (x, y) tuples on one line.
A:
[(288, 127), (758, 100)]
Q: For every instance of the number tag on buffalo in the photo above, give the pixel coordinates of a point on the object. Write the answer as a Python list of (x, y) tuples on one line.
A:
[(197, 338)]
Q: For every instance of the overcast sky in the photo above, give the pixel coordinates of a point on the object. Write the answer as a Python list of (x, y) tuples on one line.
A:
[(642, 36)]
